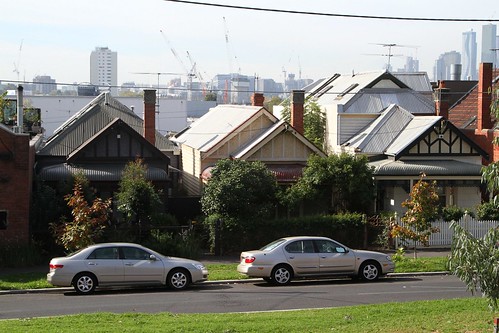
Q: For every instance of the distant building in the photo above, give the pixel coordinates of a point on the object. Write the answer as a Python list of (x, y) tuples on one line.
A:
[(489, 45), (469, 69), (44, 84), (104, 69), (443, 65)]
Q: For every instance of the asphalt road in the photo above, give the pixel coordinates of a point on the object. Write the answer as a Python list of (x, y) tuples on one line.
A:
[(240, 297)]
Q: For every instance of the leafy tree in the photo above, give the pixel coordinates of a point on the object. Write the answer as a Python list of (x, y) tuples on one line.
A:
[(314, 121), (3, 105), (490, 173), (89, 221), (422, 209), (240, 189), (137, 197), (211, 96), (269, 104), (345, 180), (476, 262), (238, 193)]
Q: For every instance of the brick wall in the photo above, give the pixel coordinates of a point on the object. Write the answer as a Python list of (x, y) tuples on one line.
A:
[(16, 175)]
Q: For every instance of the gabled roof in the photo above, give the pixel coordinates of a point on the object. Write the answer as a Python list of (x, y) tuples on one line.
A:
[(396, 130), (373, 92), (218, 124), (89, 121), (463, 113), (268, 135)]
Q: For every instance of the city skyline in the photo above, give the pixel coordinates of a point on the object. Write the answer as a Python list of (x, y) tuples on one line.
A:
[(57, 38)]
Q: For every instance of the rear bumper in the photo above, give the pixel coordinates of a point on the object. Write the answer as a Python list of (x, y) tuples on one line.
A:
[(254, 271), (59, 280)]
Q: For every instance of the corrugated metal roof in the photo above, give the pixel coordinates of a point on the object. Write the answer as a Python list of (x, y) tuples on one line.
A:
[(418, 81), (429, 167), (375, 100), (216, 124), (411, 132), (89, 121), (381, 133), (93, 172)]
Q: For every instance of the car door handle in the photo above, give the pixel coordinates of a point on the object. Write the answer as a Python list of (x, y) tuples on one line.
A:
[(323, 257), (291, 257), (92, 264), (128, 264)]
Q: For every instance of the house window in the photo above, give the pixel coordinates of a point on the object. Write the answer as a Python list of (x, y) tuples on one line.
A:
[(3, 219)]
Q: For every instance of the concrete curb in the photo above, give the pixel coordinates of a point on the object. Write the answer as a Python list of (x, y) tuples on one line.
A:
[(69, 289)]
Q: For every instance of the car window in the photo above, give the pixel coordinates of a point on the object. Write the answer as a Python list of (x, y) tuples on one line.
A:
[(105, 253), (302, 246), (134, 253), (326, 246), (273, 245)]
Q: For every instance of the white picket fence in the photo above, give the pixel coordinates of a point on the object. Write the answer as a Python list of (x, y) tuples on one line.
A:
[(443, 238)]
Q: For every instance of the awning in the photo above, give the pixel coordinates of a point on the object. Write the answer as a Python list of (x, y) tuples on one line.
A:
[(429, 167), (283, 172), (96, 172)]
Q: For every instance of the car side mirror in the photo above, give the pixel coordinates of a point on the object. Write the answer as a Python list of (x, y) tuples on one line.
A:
[(152, 257), (340, 249)]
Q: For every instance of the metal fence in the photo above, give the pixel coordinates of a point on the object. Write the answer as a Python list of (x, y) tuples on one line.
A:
[(443, 238)]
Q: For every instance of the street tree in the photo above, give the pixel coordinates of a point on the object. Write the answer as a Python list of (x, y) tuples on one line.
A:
[(345, 180), (475, 261), (137, 198), (422, 209), (89, 221)]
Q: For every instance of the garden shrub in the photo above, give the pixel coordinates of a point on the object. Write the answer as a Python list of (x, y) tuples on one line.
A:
[(487, 211)]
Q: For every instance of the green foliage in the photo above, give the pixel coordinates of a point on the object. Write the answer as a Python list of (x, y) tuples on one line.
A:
[(314, 121), (346, 228), (88, 222), (399, 256), (3, 105), (137, 198), (269, 104), (240, 189), (452, 213), (183, 244), (476, 262), (487, 211), (346, 179), (422, 209), (210, 96)]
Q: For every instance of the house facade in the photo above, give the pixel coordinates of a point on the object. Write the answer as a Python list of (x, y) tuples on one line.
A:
[(244, 132), (404, 134)]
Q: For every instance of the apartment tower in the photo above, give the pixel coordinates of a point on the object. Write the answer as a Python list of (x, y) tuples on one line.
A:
[(104, 69)]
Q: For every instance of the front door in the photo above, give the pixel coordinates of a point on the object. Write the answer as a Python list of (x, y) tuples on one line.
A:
[(105, 263)]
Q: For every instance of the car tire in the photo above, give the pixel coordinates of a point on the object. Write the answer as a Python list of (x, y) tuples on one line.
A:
[(369, 271), (178, 279), (281, 275), (84, 283)]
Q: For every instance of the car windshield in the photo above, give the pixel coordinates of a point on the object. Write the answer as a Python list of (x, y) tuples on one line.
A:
[(273, 245)]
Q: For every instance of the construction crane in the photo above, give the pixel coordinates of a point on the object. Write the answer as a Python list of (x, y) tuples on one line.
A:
[(16, 64), (197, 73), (189, 73)]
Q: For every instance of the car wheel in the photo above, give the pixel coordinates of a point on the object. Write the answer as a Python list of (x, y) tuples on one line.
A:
[(178, 279), (369, 271), (281, 275), (84, 283)]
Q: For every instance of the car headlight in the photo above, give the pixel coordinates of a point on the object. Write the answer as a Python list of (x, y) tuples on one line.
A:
[(199, 266)]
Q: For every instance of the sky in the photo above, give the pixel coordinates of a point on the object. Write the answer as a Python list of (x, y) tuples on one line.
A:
[(56, 37)]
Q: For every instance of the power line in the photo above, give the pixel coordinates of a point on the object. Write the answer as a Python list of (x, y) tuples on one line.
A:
[(284, 11)]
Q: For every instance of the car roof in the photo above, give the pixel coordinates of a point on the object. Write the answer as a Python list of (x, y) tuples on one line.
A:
[(304, 237)]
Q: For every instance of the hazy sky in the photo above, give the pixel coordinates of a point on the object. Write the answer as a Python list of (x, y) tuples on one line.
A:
[(57, 36)]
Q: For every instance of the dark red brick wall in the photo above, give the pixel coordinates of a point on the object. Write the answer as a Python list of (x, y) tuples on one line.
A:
[(16, 175)]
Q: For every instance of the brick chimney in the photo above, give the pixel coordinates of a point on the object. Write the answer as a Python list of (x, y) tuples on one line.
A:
[(442, 100), (297, 110), (484, 119), (257, 99), (150, 115)]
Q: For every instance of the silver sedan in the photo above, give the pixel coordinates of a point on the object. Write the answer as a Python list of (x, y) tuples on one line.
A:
[(123, 264), (312, 257)]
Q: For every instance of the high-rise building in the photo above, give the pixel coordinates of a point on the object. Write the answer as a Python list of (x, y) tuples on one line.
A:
[(442, 69), (104, 69), (469, 69), (489, 46), (44, 84)]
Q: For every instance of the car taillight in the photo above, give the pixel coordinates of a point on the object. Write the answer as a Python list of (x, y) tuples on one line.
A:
[(54, 266), (249, 260)]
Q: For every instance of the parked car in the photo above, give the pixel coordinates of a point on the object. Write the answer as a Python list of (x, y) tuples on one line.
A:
[(312, 257), (123, 264)]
